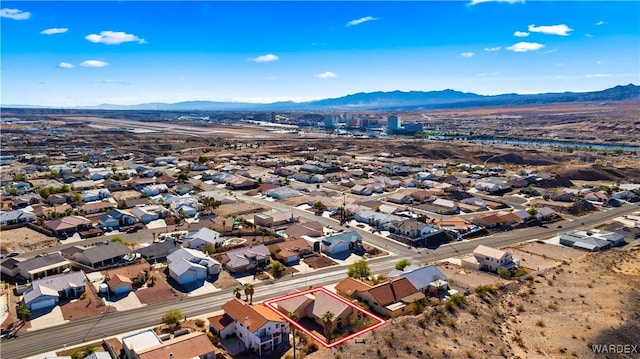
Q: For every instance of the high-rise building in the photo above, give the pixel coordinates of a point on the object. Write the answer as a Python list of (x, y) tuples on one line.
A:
[(329, 121), (394, 122)]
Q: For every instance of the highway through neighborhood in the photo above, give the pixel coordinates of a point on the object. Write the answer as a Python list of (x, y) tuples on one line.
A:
[(115, 323)]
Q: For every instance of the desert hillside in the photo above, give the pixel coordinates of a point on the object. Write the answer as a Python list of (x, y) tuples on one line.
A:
[(561, 313)]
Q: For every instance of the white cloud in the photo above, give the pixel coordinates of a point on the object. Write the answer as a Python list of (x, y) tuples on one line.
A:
[(361, 20), (600, 23), (588, 35), (113, 38), (520, 34), (54, 30), (65, 65), (598, 62), (589, 76), (326, 75), (15, 14), (94, 63), (476, 2), (492, 49), (264, 58), (467, 54), (525, 47), (119, 82), (561, 29)]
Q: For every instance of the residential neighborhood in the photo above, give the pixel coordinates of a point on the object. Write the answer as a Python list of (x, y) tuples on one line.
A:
[(85, 237)]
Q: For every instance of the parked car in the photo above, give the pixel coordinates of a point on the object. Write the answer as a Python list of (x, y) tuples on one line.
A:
[(12, 254)]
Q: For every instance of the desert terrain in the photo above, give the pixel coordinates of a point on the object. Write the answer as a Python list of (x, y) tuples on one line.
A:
[(559, 313)]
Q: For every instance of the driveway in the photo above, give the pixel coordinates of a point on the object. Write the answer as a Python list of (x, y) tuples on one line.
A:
[(206, 288), (126, 303), (52, 318)]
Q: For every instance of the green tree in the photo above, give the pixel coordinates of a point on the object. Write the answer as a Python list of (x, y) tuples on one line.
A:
[(23, 311), (209, 204), (532, 211), (359, 269), (417, 306), (183, 176), (318, 206), (172, 316), (76, 197), (209, 248), (88, 350), (402, 264), (276, 268)]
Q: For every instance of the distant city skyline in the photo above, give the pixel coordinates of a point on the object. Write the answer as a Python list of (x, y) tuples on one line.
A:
[(72, 53)]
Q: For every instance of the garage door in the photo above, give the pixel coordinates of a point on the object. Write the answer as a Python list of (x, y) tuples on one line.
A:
[(45, 303), (121, 289)]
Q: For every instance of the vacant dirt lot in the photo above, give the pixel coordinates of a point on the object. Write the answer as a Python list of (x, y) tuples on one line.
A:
[(464, 278), (560, 253), (561, 314), (24, 240), (533, 261)]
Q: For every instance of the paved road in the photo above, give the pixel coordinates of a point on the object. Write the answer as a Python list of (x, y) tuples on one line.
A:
[(90, 329)]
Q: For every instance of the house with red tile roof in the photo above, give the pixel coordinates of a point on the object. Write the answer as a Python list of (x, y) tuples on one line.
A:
[(390, 299), (349, 285), (257, 327)]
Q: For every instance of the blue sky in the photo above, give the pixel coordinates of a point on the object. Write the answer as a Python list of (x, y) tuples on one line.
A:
[(75, 53)]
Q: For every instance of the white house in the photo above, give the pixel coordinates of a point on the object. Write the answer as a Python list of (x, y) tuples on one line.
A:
[(154, 189), (115, 218), (490, 259), (445, 203), (372, 218), (45, 292), (150, 213), (257, 327), (411, 228), (15, 217), (92, 195), (200, 238), (187, 206), (361, 190), (188, 266), (341, 242)]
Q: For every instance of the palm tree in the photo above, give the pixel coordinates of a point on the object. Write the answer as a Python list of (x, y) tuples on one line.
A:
[(236, 292), (295, 317), (327, 318), (248, 292), (224, 226)]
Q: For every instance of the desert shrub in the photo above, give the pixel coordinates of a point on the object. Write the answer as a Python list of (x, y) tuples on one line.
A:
[(213, 339), (199, 323), (451, 322), (483, 290), (458, 300)]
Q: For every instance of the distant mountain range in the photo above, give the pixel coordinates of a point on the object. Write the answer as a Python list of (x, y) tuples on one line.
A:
[(390, 101)]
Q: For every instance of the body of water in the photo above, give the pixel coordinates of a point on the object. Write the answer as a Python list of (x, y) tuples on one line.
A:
[(579, 145)]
